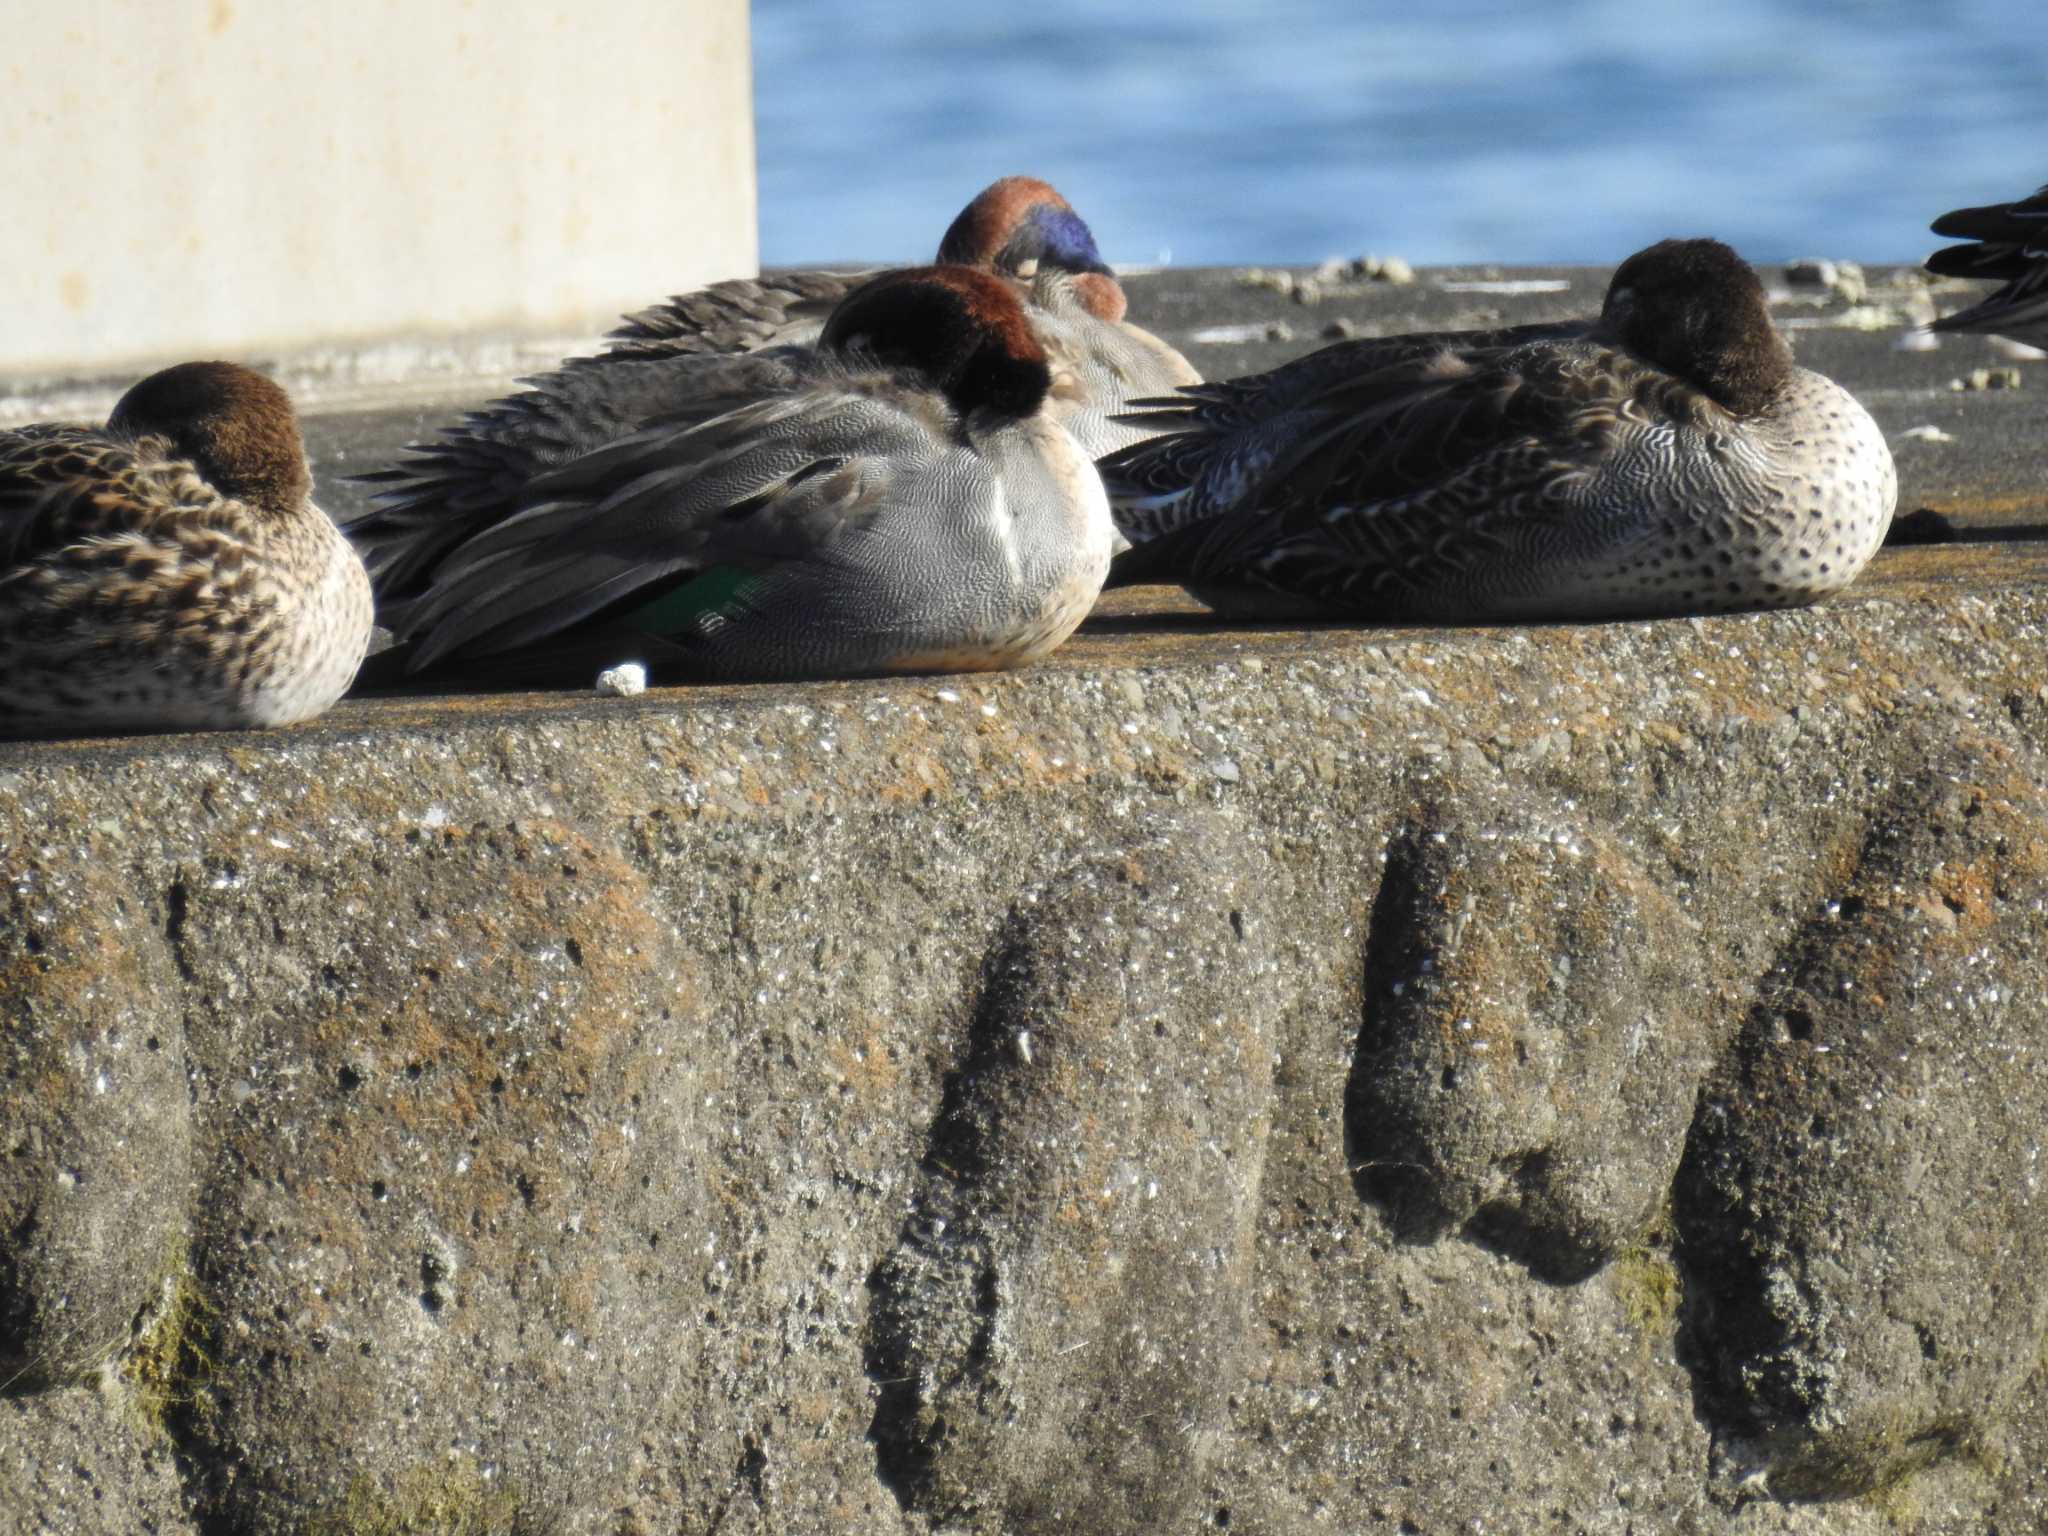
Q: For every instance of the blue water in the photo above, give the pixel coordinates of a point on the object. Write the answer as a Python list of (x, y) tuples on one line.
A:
[(1209, 132)]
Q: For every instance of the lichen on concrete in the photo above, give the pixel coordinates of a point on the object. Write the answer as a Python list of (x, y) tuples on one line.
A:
[(451, 1500)]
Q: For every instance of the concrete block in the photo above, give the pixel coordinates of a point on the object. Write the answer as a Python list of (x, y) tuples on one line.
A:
[(212, 178)]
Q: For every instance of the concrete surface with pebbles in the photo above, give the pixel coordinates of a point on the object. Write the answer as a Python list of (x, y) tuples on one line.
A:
[(1277, 1079)]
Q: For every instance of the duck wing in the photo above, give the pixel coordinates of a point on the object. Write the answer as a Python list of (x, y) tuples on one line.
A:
[(478, 472), (1200, 437), (2011, 247), (61, 486), (776, 482), (1390, 473), (740, 315)]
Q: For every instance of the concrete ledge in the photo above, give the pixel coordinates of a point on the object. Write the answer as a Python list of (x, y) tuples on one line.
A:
[(1266, 1079)]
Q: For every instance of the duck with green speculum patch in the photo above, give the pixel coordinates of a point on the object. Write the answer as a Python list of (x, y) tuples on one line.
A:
[(897, 498)]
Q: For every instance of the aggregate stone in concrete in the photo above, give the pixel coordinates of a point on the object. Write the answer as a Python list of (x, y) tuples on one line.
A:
[(74, 1462), (1102, 1141), (1863, 1211), (95, 1129), (1537, 1015)]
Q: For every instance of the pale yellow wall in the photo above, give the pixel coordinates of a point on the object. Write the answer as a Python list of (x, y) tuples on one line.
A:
[(186, 177)]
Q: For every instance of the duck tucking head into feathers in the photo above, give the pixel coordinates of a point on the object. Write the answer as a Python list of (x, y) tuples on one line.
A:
[(1696, 309), (960, 328), (236, 426)]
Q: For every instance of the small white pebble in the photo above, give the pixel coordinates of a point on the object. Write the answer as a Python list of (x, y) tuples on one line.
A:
[(624, 681)]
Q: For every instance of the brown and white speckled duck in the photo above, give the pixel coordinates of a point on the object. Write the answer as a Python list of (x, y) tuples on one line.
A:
[(171, 571), (2011, 247), (1017, 228), (897, 498), (1664, 458)]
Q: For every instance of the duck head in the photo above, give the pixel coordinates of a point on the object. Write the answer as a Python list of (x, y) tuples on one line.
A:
[(960, 327), (237, 426), (1694, 307), (1020, 224)]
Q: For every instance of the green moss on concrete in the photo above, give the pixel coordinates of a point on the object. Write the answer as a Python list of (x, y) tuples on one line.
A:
[(1875, 1465), (454, 1500), (1646, 1283), (169, 1359)]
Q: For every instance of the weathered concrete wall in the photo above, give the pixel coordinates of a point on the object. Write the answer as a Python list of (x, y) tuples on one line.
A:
[(215, 178), (1358, 1074), (1584, 1079)]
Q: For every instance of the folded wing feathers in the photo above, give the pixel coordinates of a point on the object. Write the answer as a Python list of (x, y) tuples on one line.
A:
[(62, 486), (445, 492), (740, 315), (2021, 305), (2023, 221), (1398, 470), (769, 483)]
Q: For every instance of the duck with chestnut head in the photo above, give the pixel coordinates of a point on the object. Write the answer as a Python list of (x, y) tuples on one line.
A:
[(896, 498), (1665, 457), (170, 570), (1018, 229)]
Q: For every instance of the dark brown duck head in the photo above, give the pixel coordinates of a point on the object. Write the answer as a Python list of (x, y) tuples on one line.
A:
[(959, 327), (1020, 224), (1694, 308), (235, 425)]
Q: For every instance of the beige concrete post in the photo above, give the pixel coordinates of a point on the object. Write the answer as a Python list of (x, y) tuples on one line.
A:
[(222, 177)]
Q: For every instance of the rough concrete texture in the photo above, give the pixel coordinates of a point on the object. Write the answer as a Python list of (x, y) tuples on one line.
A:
[(1541, 1106), (93, 1112), (501, 1083), (70, 1462), (1863, 1196), (1045, 1101), (1103, 1137)]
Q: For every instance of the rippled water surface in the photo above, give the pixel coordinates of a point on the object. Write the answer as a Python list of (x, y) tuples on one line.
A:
[(1293, 130)]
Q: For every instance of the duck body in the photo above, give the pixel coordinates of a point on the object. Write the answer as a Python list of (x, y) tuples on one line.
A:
[(1664, 458), (171, 570), (1017, 229), (2010, 246), (895, 498)]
